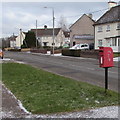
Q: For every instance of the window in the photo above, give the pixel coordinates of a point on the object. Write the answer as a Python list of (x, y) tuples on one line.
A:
[(86, 45), (118, 41), (118, 26), (100, 43), (108, 28), (82, 45), (108, 42), (100, 29), (114, 41)]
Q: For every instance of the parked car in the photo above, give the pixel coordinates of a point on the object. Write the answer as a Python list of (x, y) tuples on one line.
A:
[(66, 46), (80, 46), (1, 53)]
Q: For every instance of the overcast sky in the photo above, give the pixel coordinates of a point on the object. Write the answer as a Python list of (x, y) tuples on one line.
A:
[(16, 15)]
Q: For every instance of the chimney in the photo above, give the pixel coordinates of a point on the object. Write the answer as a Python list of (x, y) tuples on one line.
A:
[(112, 4), (90, 15), (45, 26)]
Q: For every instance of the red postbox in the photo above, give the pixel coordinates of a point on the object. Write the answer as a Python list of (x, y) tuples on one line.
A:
[(106, 57), (106, 61)]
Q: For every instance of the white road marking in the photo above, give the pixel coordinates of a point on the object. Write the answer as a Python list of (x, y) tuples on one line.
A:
[(90, 68), (113, 72)]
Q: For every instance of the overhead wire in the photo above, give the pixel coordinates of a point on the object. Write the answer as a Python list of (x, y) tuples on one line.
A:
[(56, 19), (87, 13)]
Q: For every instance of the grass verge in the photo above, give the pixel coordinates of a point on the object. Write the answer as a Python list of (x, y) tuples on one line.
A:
[(44, 92)]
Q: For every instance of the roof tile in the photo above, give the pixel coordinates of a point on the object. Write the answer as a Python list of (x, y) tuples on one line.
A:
[(112, 15)]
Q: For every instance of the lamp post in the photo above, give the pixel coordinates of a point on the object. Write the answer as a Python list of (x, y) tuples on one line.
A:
[(20, 37), (36, 33), (53, 44)]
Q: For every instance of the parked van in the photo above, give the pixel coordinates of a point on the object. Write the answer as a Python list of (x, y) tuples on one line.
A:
[(1, 53), (80, 46)]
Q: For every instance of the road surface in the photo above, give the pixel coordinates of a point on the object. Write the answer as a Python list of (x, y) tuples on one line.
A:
[(81, 69)]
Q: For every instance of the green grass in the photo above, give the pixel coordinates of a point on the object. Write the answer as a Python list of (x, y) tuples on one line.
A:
[(44, 92)]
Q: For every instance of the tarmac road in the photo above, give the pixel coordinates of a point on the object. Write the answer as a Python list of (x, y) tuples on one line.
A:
[(82, 69)]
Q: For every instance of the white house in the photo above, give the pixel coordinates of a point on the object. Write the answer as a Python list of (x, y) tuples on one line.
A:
[(107, 28), (67, 37), (19, 39), (13, 42), (45, 36)]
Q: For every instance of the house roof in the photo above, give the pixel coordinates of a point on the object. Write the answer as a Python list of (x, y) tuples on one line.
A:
[(80, 18), (46, 31), (12, 38), (110, 16), (25, 33)]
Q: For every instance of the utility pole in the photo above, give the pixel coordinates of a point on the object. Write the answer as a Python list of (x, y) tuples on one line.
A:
[(13, 41), (53, 44), (20, 37), (53, 31), (36, 33)]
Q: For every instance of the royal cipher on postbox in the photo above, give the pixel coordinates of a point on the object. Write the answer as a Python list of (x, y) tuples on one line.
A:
[(106, 57)]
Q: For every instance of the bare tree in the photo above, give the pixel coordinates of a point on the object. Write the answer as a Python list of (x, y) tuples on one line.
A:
[(62, 23), (5, 42)]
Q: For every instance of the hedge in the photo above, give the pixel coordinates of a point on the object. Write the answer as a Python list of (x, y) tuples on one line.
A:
[(81, 53), (44, 51), (14, 50), (56, 51), (68, 52)]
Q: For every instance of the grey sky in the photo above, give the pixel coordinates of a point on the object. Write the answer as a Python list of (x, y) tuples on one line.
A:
[(16, 15), (56, 0)]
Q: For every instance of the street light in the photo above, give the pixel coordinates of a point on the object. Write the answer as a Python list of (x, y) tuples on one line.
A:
[(20, 38), (36, 33), (53, 28)]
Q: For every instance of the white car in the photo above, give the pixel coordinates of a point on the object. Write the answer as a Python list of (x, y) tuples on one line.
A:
[(80, 46)]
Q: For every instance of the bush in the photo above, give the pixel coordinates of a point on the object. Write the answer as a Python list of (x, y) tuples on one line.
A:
[(68, 52), (81, 53), (60, 47), (23, 46), (48, 48), (15, 50), (89, 54), (56, 51), (34, 50)]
